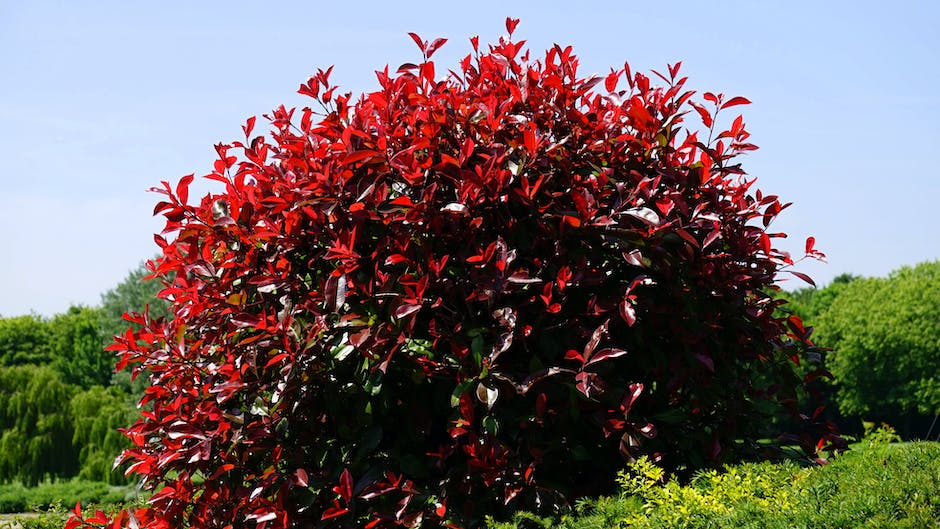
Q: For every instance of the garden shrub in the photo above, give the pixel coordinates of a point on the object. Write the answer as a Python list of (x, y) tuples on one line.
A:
[(876, 485), (458, 296), (15, 498)]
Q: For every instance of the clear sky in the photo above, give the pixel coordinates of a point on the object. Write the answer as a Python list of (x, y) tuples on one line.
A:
[(101, 100)]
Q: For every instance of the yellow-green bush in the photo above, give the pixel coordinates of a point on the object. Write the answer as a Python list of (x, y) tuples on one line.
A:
[(879, 484)]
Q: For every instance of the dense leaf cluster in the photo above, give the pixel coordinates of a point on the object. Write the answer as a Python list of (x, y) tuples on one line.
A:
[(459, 295)]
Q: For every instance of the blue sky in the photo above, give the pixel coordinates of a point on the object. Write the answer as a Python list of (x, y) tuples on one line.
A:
[(101, 100)]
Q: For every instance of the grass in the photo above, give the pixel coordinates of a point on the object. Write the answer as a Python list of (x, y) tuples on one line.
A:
[(877, 484)]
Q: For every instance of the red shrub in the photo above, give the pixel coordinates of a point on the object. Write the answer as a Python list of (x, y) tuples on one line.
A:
[(457, 297)]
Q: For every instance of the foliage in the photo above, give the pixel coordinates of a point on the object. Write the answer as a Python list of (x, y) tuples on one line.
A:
[(53, 429), (24, 340), (78, 347), (885, 336), (36, 439), (97, 415), (56, 418), (459, 296), (809, 303), (51, 495), (874, 485), (135, 293)]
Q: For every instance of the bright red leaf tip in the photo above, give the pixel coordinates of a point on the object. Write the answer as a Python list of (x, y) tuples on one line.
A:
[(511, 24), (422, 45), (736, 101)]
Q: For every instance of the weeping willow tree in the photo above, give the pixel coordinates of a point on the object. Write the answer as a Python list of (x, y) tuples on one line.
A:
[(97, 414), (37, 430)]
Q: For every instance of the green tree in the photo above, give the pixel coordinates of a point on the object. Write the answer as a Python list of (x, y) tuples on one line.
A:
[(24, 340), (133, 294), (37, 431), (885, 336), (97, 414), (809, 303), (77, 347)]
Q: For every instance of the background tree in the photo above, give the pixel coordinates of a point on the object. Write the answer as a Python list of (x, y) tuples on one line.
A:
[(77, 345), (809, 303), (36, 439), (885, 340), (133, 294), (97, 415), (24, 340)]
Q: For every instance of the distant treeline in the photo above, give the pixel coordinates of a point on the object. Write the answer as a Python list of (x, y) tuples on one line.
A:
[(61, 403)]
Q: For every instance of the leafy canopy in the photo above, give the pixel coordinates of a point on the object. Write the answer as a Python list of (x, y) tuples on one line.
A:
[(459, 296), (885, 340)]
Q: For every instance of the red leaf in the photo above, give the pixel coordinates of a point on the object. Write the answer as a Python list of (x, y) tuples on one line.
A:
[(333, 512), (435, 45), (810, 243), (182, 188), (249, 126), (804, 277), (421, 44), (735, 101), (674, 69), (405, 310), (635, 390), (610, 83), (357, 156), (627, 312), (711, 237), (302, 478), (665, 205), (634, 257), (394, 259), (511, 24), (346, 485), (648, 216), (98, 518), (605, 354), (703, 113), (539, 375), (245, 320)]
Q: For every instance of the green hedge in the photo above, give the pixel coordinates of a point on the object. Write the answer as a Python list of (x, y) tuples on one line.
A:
[(15, 497), (875, 485)]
